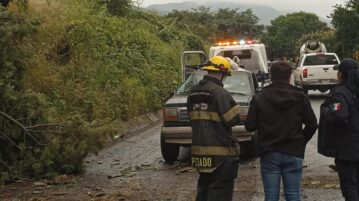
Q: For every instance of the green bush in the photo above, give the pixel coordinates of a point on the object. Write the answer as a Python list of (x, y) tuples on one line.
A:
[(28, 146), (72, 70)]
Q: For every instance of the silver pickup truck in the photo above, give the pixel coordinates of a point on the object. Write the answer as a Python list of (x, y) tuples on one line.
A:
[(176, 130)]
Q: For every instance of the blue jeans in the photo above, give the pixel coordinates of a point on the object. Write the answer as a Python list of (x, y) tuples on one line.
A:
[(276, 165)]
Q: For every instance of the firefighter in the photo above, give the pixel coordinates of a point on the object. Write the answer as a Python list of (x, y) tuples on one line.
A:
[(215, 151)]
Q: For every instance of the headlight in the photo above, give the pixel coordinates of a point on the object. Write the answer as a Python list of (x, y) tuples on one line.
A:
[(170, 114)]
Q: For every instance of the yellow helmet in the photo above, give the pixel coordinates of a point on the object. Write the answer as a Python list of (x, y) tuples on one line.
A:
[(218, 63)]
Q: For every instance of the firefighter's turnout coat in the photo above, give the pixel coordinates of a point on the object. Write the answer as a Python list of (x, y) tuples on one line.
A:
[(213, 112)]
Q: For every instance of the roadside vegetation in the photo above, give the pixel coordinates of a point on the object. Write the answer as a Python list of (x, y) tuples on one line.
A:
[(71, 69)]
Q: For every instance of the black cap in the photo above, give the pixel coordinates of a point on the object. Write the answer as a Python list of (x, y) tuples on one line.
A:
[(346, 65)]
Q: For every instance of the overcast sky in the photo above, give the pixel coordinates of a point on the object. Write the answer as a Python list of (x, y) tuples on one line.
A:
[(320, 7)]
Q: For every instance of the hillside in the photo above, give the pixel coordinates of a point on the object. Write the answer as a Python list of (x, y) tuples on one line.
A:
[(265, 13)]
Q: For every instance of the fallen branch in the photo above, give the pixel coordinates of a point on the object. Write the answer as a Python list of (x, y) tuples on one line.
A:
[(21, 126), (11, 141), (43, 125), (4, 164)]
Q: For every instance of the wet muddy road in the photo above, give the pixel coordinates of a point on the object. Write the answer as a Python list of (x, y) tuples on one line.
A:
[(133, 169)]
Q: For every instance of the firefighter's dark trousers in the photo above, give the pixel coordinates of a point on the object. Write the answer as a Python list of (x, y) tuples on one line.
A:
[(218, 185)]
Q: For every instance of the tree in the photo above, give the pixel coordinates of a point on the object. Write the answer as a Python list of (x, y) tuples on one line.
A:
[(199, 20), (220, 24), (345, 19), (326, 37), (232, 23), (283, 33), (118, 7)]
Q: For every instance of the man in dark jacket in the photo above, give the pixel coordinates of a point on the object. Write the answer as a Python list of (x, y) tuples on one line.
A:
[(344, 117), (278, 114), (215, 151)]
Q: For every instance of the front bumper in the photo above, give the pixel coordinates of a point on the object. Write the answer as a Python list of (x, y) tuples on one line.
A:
[(319, 82), (183, 135)]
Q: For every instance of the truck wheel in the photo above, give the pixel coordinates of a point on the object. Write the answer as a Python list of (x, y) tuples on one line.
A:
[(249, 149), (169, 151)]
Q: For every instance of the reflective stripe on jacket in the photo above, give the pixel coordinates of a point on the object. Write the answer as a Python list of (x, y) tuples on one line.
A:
[(213, 113)]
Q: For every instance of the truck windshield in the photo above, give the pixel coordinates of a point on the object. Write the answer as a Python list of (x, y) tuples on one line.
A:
[(249, 59), (320, 59), (238, 83), (241, 54)]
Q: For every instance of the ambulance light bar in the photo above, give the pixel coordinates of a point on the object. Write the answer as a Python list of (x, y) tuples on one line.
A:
[(240, 42)]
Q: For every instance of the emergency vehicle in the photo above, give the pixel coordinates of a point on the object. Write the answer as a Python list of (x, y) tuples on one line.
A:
[(248, 54), (176, 130)]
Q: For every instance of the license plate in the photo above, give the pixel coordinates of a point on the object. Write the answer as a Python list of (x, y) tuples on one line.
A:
[(329, 81)]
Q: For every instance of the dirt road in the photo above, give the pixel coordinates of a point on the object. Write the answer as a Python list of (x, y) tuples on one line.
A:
[(133, 169)]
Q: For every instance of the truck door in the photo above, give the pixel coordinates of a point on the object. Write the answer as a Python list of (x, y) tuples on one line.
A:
[(192, 60)]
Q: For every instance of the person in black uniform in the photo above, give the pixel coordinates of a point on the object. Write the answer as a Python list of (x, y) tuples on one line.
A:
[(343, 115), (215, 151)]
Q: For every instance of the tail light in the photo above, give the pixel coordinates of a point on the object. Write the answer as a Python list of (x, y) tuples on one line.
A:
[(305, 72), (170, 114)]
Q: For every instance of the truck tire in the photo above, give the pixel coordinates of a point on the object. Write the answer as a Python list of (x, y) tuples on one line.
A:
[(249, 149), (169, 151)]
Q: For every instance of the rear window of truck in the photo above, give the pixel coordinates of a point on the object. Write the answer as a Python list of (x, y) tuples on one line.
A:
[(320, 59)]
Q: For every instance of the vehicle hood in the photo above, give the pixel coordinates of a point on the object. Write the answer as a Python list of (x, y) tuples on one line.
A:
[(242, 100), (181, 100), (282, 95), (177, 100)]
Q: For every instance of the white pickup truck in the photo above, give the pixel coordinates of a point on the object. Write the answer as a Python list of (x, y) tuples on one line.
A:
[(315, 71)]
